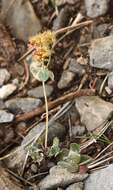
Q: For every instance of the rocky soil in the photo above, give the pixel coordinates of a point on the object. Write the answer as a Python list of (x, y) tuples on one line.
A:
[(80, 98)]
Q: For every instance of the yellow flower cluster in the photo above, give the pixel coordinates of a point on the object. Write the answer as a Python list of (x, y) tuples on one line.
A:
[(42, 43)]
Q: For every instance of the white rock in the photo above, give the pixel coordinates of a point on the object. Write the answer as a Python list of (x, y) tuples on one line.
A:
[(95, 8), (7, 90), (93, 111), (4, 76), (6, 117)]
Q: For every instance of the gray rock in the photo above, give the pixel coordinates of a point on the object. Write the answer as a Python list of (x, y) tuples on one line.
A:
[(75, 186), (101, 179), (7, 90), (101, 55), (93, 111), (65, 79), (60, 177), (21, 18), (62, 19), (108, 90), (38, 91), (55, 130), (100, 30), (96, 8), (110, 80), (22, 105), (16, 159), (76, 67), (6, 117), (4, 76)]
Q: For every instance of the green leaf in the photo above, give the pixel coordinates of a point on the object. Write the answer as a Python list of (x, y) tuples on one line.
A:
[(63, 154), (55, 149), (85, 159), (30, 61), (73, 157), (35, 153), (34, 68), (75, 147), (40, 73), (56, 141), (43, 74)]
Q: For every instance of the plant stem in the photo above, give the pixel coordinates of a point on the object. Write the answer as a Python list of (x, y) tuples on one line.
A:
[(46, 106)]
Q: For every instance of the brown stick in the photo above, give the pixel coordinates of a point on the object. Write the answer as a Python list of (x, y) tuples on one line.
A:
[(53, 104), (62, 30), (77, 26)]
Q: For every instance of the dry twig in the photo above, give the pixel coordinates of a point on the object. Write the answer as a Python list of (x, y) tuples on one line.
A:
[(53, 104)]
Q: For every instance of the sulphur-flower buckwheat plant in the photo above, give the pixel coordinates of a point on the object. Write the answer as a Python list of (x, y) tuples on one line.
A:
[(42, 50)]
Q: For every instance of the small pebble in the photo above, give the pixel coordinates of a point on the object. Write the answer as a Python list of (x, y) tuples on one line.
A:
[(7, 90), (108, 90), (22, 105), (38, 91), (6, 117), (34, 168), (4, 76), (95, 8), (100, 30), (76, 67), (65, 79), (101, 55), (15, 82)]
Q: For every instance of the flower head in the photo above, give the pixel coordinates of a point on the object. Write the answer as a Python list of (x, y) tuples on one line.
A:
[(41, 43)]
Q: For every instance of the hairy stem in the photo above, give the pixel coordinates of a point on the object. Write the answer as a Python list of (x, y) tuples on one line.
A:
[(46, 106)]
